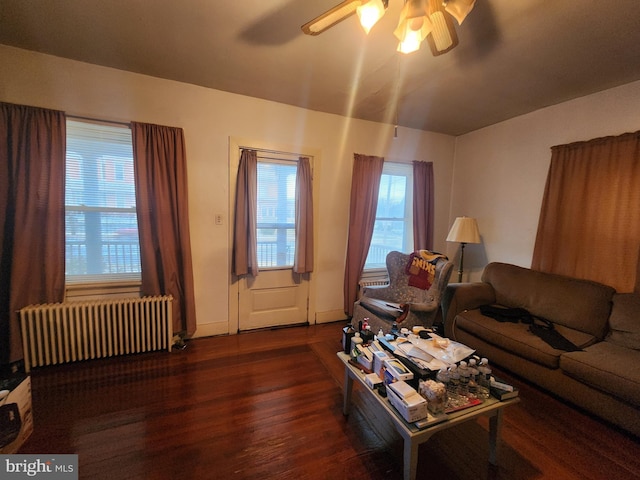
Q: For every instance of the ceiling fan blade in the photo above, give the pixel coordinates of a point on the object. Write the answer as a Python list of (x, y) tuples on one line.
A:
[(329, 18)]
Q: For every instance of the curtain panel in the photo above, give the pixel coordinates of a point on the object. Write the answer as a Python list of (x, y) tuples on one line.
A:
[(303, 262), (423, 211), (245, 241), (32, 241), (365, 186), (589, 223), (163, 218)]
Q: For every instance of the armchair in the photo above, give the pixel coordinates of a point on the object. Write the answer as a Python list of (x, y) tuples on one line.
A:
[(417, 305)]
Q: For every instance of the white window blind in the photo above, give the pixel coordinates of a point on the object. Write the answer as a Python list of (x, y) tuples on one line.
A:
[(101, 226), (393, 229), (276, 212)]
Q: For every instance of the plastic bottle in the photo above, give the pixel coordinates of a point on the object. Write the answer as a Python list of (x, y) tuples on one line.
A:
[(463, 370), (484, 379), (347, 334), (454, 382), (473, 377), (380, 334), (355, 340), (394, 329), (367, 336), (443, 377)]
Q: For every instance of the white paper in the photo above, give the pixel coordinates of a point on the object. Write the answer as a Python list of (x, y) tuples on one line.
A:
[(441, 357)]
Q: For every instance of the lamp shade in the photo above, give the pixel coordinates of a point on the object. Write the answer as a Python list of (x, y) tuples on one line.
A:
[(464, 230), (413, 27), (369, 13)]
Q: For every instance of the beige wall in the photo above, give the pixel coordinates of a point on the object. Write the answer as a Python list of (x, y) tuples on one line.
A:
[(209, 119), (500, 171)]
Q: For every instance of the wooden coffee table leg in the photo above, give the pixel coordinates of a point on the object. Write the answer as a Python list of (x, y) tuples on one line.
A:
[(495, 423), (348, 388), (410, 464)]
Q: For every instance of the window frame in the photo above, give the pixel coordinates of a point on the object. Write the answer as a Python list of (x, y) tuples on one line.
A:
[(404, 170), (100, 284), (271, 159)]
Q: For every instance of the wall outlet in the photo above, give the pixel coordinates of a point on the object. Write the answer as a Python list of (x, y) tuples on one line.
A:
[(218, 219)]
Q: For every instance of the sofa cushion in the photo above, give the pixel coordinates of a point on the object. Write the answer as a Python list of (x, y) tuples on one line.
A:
[(624, 322), (607, 367), (578, 304), (516, 337)]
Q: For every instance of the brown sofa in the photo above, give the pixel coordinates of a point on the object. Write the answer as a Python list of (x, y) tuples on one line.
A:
[(603, 377)]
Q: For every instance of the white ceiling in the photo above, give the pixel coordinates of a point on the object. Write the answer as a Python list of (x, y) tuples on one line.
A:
[(514, 56)]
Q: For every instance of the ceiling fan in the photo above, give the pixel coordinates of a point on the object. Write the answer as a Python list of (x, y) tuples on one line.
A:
[(419, 19)]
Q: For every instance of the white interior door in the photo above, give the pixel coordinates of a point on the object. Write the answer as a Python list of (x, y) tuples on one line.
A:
[(273, 298)]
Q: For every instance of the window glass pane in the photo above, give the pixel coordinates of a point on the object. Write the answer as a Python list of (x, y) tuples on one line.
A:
[(393, 229), (276, 213), (101, 226)]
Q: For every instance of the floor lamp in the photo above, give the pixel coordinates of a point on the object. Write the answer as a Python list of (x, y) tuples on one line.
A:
[(463, 231)]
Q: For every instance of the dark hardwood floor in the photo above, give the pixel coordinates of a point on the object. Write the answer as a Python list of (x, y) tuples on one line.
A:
[(268, 404)]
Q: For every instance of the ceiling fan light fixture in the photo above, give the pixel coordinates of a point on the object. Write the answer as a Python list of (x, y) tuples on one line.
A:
[(443, 36), (410, 43), (413, 27), (370, 12), (459, 9), (331, 17), (419, 19)]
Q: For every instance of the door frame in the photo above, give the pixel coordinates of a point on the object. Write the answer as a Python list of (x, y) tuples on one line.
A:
[(235, 144)]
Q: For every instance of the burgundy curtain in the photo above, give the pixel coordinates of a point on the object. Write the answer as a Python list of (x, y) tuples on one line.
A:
[(245, 243), (365, 185), (303, 262), (423, 205), (163, 218), (32, 243), (589, 223)]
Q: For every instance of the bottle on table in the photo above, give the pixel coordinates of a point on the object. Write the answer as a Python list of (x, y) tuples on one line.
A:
[(463, 370), (453, 385), (473, 377), (355, 340), (394, 329), (443, 377), (484, 379)]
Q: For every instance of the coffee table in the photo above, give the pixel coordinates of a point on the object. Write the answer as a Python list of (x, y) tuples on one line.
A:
[(413, 436)]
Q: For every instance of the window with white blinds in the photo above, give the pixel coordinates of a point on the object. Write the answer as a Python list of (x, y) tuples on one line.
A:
[(393, 229), (276, 212), (101, 227)]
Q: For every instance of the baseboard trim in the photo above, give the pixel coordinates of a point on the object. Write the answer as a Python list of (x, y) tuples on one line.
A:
[(330, 316)]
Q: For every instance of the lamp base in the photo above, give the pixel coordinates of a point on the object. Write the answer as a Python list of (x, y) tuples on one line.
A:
[(460, 267)]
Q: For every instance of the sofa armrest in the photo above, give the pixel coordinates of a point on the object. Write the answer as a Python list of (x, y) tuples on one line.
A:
[(459, 297)]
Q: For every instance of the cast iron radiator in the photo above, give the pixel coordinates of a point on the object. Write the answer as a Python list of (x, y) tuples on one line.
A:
[(72, 331)]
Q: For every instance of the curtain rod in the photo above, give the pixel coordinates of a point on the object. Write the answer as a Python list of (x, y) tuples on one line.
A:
[(274, 152), (101, 120)]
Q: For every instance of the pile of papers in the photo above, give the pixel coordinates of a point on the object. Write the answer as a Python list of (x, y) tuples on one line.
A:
[(433, 353)]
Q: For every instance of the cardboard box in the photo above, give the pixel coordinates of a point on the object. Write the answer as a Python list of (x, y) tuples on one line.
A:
[(378, 358), (411, 406), (372, 380), (16, 416), (365, 357), (397, 370)]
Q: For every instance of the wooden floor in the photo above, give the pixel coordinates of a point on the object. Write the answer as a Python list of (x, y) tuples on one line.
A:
[(268, 404)]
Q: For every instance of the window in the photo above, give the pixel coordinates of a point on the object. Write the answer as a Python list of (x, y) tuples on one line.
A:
[(393, 229), (101, 227), (276, 212)]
